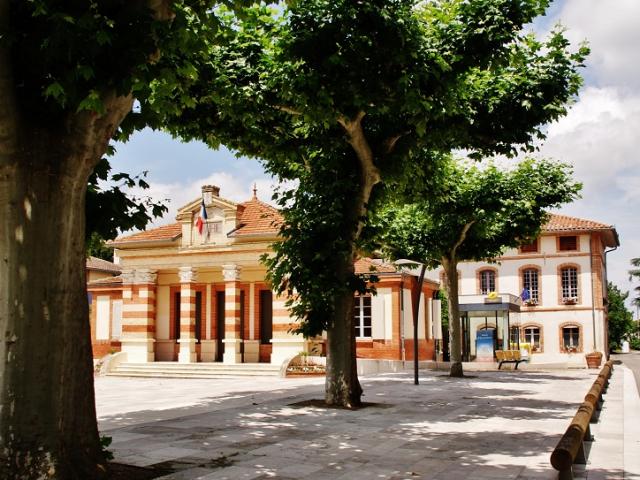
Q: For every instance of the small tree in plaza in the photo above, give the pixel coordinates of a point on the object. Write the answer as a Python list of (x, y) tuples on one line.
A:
[(634, 273), (342, 97), (471, 214)]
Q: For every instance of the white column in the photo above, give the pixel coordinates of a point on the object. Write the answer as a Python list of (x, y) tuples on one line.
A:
[(139, 314), (232, 334), (187, 340), (252, 345)]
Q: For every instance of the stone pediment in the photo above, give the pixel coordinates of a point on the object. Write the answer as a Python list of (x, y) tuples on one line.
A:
[(222, 218)]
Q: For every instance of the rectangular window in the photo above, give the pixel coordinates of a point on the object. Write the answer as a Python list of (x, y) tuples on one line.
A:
[(116, 320), (571, 339), (266, 316), (568, 243), (569, 284), (529, 247), (362, 316), (530, 283), (220, 317), (176, 315), (487, 281), (198, 316), (103, 306), (215, 227)]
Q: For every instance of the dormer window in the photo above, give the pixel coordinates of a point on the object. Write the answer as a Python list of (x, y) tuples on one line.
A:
[(568, 243), (529, 247)]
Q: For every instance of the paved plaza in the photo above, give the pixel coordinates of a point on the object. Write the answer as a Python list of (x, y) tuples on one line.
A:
[(492, 425)]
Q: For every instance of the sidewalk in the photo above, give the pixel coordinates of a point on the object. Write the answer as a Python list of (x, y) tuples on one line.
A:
[(496, 425), (615, 453)]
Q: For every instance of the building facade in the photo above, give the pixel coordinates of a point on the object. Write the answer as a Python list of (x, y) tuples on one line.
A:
[(195, 291), (556, 289)]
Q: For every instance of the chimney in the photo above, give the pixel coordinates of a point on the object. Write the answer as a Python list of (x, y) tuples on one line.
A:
[(208, 192)]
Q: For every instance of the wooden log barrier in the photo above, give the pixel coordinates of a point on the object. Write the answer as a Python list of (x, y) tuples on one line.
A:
[(570, 448)]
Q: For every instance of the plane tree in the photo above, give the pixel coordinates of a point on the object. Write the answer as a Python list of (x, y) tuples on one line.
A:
[(341, 97), (471, 213), (69, 72)]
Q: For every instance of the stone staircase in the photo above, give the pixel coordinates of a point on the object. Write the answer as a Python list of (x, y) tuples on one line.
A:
[(194, 370)]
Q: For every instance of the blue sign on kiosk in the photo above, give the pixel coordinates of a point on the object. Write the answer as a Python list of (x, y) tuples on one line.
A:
[(484, 345)]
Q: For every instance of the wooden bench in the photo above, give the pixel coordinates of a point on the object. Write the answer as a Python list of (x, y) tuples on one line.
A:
[(509, 356)]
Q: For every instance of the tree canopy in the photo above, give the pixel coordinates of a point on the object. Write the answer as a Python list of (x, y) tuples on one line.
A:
[(343, 96), (112, 208), (471, 213), (69, 72)]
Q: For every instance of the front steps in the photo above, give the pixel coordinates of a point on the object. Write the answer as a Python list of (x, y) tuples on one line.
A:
[(194, 370)]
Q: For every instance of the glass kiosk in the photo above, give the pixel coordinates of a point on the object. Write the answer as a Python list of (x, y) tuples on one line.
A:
[(489, 323)]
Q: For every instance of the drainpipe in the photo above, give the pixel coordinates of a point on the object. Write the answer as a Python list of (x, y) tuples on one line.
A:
[(593, 298), (404, 357), (606, 285)]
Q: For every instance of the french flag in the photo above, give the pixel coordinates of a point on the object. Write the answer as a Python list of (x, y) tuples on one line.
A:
[(202, 218)]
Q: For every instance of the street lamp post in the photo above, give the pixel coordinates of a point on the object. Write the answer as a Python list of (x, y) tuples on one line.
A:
[(416, 312)]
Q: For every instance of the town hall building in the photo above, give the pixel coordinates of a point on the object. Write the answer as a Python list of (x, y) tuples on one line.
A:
[(194, 291)]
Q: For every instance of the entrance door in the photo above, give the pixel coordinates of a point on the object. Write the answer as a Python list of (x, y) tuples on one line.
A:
[(219, 325), (266, 324)]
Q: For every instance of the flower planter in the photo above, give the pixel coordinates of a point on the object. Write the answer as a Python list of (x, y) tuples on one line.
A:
[(593, 359)]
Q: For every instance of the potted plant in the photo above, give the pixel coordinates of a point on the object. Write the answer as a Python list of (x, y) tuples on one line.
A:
[(531, 302), (593, 359), (570, 300)]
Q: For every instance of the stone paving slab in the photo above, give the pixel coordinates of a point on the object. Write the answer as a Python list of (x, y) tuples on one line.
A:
[(496, 425)]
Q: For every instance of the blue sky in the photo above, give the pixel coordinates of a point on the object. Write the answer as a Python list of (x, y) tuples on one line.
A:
[(599, 136)]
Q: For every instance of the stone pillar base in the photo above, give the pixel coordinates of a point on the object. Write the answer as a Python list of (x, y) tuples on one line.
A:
[(187, 353), (286, 348), (232, 354), (138, 350), (208, 350), (251, 351)]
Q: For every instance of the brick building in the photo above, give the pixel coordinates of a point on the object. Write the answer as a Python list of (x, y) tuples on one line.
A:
[(551, 294)]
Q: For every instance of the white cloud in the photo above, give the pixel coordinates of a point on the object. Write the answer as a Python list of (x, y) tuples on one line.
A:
[(599, 137), (611, 29)]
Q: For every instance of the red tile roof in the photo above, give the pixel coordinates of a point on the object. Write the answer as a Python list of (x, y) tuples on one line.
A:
[(257, 218), (368, 265), (94, 263), (117, 280), (158, 234), (563, 223)]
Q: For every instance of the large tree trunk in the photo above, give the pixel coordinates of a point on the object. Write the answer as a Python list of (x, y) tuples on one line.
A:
[(451, 270), (342, 387), (48, 423)]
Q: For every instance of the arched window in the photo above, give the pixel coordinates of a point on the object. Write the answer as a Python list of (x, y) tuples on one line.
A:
[(514, 337), (532, 335), (570, 338), (487, 281)]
